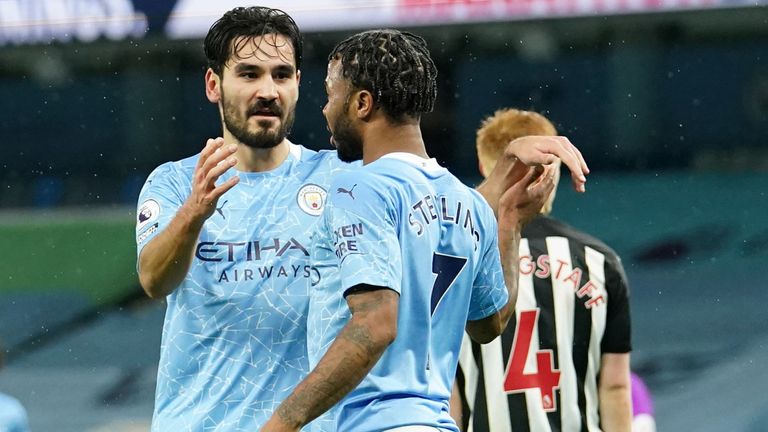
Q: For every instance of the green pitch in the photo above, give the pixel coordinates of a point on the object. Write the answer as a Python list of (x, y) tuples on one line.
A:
[(90, 252)]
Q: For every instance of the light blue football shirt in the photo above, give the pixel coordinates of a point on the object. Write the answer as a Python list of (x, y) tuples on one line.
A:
[(405, 223), (234, 338), (13, 416)]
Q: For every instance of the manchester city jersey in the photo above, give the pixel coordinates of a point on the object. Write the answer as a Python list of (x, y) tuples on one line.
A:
[(13, 416), (405, 223), (234, 338)]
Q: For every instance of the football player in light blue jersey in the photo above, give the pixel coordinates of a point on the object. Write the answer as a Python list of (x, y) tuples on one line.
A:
[(13, 416), (224, 236), (407, 255)]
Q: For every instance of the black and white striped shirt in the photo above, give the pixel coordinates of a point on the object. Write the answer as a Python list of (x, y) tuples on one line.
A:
[(541, 373)]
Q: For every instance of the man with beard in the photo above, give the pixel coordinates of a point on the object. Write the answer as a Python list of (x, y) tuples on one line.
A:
[(407, 254), (224, 236)]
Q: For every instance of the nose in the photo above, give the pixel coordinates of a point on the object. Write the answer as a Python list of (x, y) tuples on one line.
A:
[(267, 89)]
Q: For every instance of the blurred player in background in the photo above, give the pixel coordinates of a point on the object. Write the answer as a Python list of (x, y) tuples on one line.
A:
[(407, 254), (563, 362), (13, 416), (642, 406), (224, 236)]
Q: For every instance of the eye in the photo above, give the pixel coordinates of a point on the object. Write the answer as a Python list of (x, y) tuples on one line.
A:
[(282, 75)]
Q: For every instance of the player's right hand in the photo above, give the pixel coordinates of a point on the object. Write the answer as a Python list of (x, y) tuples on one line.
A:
[(215, 160), (526, 196)]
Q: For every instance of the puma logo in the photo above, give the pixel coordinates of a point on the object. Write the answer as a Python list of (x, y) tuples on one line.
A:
[(220, 210), (349, 192)]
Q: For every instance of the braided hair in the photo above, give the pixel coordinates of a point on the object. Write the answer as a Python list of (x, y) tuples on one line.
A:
[(248, 23), (395, 66)]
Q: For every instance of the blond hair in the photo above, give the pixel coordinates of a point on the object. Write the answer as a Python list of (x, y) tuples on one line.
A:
[(504, 126)]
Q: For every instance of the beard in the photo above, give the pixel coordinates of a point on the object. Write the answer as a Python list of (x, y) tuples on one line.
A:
[(264, 137), (349, 143)]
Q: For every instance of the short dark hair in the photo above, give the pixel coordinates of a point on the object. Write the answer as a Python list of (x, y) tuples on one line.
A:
[(249, 22), (395, 66)]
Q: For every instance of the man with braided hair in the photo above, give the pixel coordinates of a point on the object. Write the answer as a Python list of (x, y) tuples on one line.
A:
[(407, 255), (224, 236)]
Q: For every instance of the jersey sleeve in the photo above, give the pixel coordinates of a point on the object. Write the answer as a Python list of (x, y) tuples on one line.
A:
[(489, 292), (159, 199), (363, 233), (618, 332)]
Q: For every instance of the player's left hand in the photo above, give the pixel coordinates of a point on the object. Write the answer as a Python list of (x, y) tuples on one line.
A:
[(532, 151), (535, 150)]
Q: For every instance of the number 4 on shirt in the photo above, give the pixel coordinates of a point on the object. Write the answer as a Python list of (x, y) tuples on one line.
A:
[(546, 378)]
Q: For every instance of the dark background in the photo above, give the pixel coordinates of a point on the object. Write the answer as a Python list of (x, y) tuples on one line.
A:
[(85, 124)]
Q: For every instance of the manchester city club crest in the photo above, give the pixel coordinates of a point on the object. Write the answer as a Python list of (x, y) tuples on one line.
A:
[(311, 199)]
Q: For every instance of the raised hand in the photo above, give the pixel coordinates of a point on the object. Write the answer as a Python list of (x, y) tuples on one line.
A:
[(544, 150), (523, 200), (215, 160), (165, 260)]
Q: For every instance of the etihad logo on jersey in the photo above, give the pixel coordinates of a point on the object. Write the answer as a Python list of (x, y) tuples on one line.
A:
[(254, 251), (266, 272), (430, 209), (311, 199), (246, 251), (561, 271)]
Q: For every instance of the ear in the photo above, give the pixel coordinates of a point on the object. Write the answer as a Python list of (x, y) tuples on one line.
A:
[(481, 168), (212, 86), (298, 85), (362, 101)]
